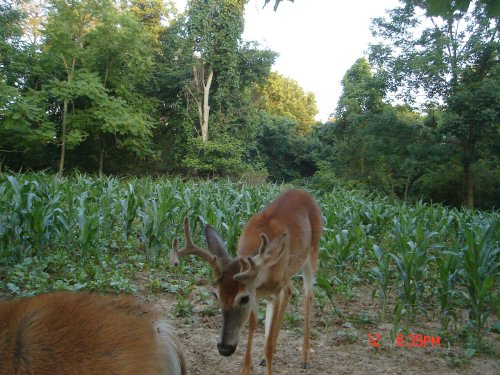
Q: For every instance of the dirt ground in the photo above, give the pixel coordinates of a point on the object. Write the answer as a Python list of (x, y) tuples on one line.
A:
[(339, 342)]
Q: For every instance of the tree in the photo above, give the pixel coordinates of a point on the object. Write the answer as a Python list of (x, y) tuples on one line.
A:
[(95, 59), (67, 28), (24, 125), (12, 47), (151, 13), (231, 110), (215, 28), (281, 96), (440, 51), (472, 118), (119, 52), (35, 12), (362, 93), (285, 156), (360, 101)]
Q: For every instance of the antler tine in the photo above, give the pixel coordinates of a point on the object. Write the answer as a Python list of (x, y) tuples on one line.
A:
[(174, 258), (251, 265), (187, 233), (191, 249)]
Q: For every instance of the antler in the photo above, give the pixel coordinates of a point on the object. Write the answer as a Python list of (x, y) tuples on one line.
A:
[(191, 249)]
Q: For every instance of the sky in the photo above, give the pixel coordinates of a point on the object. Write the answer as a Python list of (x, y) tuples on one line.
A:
[(317, 40)]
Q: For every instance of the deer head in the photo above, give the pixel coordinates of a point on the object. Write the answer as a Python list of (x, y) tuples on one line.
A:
[(236, 278)]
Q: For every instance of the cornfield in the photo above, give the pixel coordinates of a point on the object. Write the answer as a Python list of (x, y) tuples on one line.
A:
[(96, 233)]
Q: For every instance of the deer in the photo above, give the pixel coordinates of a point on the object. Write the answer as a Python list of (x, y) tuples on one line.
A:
[(78, 333), (276, 244)]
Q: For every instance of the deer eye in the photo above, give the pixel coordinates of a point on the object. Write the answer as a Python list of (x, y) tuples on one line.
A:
[(244, 300)]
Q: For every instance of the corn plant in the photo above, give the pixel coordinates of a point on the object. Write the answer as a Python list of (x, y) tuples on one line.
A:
[(382, 274), (429, 253), (411, 264), (13, 223), (88, 225), (156, 218), (129, 207), (40, 217), (480, 269), (396, 328), (447, 277)]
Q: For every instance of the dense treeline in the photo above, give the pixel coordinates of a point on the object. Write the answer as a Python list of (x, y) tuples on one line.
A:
[(135, 87)]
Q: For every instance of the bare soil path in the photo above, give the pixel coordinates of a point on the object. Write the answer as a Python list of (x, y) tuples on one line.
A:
[(339, 341)]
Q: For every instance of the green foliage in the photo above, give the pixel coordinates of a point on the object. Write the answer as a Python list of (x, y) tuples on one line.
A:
[(84, 91), (362, 94), (448, 51), (447, 273), (25, 125), (109, 87), (14, 53), (382, 274), (481, 267), (400, 152), (254, 64), (151, 13), (285, 155), (283, 97), (219, 157), (386, 151), (214, 29)]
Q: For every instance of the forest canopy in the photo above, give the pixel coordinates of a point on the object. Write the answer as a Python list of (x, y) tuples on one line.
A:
[(138, 87)]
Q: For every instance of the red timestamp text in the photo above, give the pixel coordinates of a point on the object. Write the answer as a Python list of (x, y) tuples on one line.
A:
[(412, 340)]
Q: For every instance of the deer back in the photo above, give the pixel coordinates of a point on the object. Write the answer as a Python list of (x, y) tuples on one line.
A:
[(295, 213), (81, 333)]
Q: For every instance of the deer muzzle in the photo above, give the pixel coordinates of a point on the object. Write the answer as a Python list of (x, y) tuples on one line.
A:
[(226, 350)]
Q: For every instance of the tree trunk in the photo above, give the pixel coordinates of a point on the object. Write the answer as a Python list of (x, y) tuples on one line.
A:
[(101, 155), (70, 72), (407, 187), (206, 107), (201, 96), (63, 137), (469, 189)]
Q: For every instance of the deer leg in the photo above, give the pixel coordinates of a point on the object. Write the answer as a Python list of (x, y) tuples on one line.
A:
[(267, 322), (270, 343), (308, 275), (285, 294), (252, 323), (284, 298)]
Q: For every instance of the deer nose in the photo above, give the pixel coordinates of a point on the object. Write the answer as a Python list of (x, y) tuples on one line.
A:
[(226, 350)]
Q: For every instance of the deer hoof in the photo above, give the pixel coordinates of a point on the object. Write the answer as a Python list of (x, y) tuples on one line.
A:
[(263, 362), (305, 365)]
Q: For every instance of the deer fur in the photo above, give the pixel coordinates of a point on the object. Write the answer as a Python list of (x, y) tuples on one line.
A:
[(81, 333)]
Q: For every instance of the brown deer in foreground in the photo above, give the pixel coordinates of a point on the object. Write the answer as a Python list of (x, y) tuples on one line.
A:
[(275, 244), (82, 334)]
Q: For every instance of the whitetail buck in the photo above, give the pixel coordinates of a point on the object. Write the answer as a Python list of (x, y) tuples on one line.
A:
[(85, 334), (275, 245)]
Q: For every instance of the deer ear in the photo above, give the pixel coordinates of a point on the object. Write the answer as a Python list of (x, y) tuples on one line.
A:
[(215, 243), (275, 250), (264, 240)]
